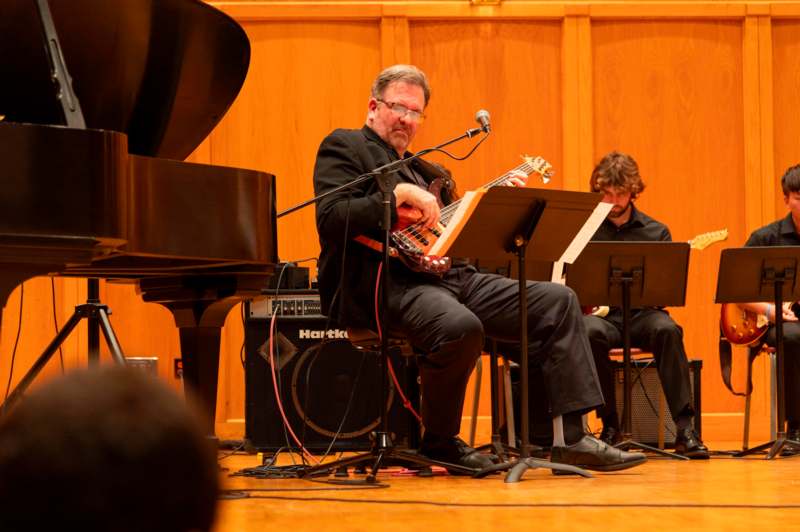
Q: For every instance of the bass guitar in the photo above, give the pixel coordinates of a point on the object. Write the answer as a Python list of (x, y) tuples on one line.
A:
[(411, 240)]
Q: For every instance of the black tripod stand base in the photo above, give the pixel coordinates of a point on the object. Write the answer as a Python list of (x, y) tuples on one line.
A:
[(383, 458), (517, 468), (501, 450), (91, 311), (626, 445), (775, 447)]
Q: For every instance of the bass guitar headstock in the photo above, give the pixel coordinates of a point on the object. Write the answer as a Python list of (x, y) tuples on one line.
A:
[(537, 165)]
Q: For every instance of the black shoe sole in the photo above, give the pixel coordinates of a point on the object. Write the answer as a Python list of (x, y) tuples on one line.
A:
[(604, 468), (695, 455)]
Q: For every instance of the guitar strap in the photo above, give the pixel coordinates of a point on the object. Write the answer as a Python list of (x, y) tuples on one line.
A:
[(412, 176), (726, 364)]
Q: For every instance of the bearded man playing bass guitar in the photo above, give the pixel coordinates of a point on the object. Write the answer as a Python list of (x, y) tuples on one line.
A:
[(784, 232), (445, 316)]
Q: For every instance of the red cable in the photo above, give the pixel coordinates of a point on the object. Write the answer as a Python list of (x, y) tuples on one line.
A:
[(406, 402), (277, 393)]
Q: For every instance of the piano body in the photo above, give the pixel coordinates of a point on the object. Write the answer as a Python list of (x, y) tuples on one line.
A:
[(115, 200)]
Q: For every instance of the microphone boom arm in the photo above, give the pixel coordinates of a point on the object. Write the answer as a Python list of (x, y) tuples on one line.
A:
[(385, 170)]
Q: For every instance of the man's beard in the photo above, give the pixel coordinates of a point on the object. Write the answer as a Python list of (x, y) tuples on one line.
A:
[(400, 139), (618, 214)]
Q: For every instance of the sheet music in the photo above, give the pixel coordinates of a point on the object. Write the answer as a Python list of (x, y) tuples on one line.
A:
[(585, 234)]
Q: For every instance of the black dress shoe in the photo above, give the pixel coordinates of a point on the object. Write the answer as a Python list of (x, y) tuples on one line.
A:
[(688, 444), (610, 435), (454, 450), (591, 453)]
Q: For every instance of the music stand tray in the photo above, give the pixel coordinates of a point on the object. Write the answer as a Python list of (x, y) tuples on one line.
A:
[(628, 275), (767, 273), (525, 222)]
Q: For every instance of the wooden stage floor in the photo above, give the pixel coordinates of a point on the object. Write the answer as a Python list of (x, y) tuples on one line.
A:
[(719, 494)]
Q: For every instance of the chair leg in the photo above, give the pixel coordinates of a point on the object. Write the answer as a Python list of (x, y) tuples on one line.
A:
[(748, 393), (662, 416), (473, 424), (509, 403), (773, 395)]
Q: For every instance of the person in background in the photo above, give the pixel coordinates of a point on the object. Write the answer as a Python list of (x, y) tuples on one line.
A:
[(652, 329)]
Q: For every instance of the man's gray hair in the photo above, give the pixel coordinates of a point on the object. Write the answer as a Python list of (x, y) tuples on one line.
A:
[(406, 73)]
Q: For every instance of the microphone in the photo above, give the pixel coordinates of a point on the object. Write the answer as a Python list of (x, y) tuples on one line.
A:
[(482, 117)]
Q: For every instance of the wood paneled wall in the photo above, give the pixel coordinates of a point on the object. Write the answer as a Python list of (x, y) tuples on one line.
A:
[(703, 94)]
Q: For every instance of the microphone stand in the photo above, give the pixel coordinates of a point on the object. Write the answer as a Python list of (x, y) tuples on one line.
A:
[(386, 169), (382, 447)]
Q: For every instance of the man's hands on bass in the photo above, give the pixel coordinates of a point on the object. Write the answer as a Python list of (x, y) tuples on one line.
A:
[(518, 179), (420, 199), (423, 205)]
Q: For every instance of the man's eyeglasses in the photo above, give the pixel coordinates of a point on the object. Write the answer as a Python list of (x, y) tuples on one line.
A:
[(401, 110)]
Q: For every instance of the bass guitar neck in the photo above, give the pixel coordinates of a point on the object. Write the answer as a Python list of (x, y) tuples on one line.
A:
[(411, 241)]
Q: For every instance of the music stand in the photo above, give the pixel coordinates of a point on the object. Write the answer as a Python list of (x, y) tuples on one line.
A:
[(529, 223), (627, 275), (764, 274)]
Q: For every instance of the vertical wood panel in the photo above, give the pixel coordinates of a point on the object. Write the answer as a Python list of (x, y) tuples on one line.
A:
[(395, 44), (670, 94), (577, 101), (766, 113), (757, 70), (511, 69), (786, 98)]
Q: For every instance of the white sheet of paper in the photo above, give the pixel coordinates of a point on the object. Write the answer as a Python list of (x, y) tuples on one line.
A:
[(438, 246), (585, 234), (557, 275)]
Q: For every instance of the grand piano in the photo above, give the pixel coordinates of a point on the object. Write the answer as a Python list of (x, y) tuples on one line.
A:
[(115, 200)]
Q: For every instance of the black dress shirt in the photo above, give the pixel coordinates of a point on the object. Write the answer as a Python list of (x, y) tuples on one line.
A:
[(639, 228), (779, 233)]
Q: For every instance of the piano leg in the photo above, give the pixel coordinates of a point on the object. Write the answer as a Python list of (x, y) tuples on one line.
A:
[(200, 355), (199, 305)]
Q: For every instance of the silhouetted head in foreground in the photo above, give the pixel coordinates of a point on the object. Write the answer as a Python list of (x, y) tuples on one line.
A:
[(110, 449)]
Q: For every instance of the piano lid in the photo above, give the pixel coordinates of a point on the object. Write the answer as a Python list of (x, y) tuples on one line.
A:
[(162, 71)]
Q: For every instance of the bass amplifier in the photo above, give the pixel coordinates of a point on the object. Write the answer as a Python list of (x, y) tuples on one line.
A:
[(651, 419), (329, 390)]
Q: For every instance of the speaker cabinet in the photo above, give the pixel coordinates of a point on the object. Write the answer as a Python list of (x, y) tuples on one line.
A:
[(329, 390), (651, 418)]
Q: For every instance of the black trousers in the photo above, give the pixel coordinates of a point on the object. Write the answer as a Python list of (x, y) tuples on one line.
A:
[(449, 318), (791, 366), (651, 330)]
